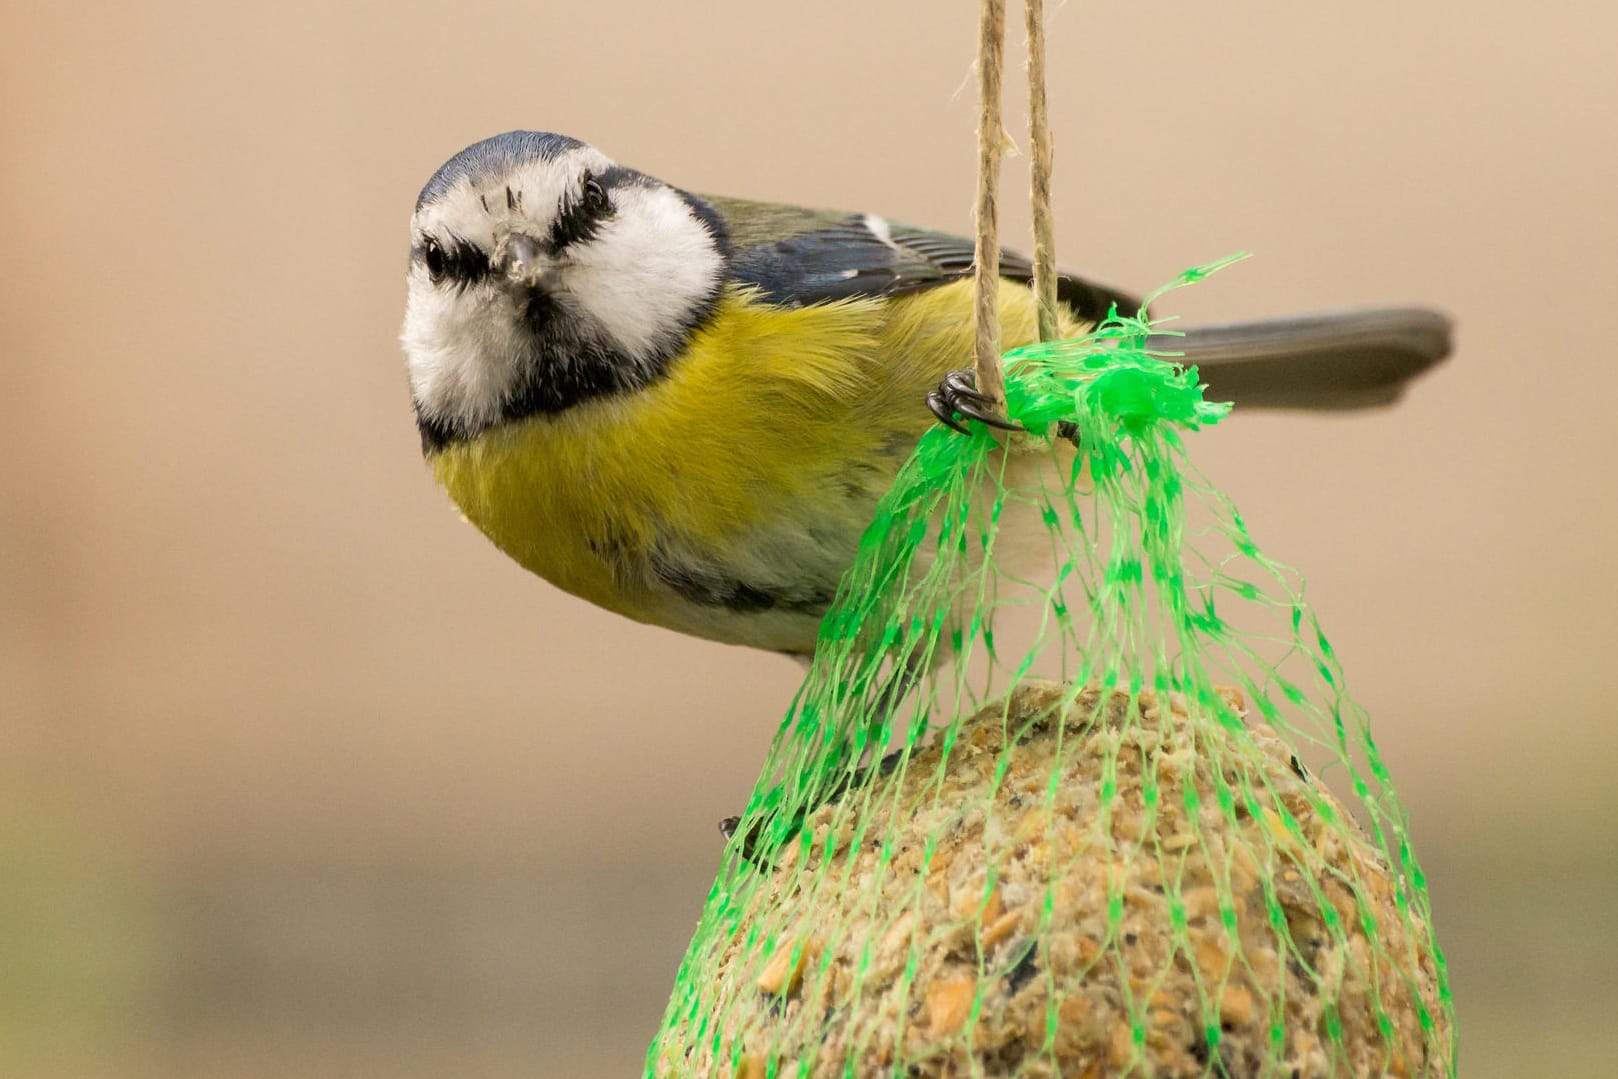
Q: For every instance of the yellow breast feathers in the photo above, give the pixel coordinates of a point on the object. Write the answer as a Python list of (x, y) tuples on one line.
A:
[(737, 484)]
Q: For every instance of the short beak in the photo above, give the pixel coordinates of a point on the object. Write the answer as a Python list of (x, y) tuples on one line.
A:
[(525, 263)]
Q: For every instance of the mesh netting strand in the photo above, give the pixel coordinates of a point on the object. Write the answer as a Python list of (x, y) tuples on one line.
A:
[(1122, 848)]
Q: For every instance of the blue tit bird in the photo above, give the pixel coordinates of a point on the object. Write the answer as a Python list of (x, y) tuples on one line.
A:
[(684, 408)]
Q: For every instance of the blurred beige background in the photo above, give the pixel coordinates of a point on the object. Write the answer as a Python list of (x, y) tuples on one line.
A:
[(300, 777)]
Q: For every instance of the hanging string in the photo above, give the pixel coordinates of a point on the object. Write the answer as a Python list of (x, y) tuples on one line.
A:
[(1042, 156), (991, 141)]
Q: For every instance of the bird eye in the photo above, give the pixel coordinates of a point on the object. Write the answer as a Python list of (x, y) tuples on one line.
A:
[(595, 196), (579, 215), (433, 255)]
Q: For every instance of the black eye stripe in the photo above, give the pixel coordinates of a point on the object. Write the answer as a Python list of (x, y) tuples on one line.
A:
[(583, 209), (459, 261)]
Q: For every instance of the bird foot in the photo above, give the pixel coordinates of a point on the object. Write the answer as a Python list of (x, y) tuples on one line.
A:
[(751, 840), (958, 393)]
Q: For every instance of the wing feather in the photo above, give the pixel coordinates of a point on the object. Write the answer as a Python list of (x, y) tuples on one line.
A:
[(796, 257)]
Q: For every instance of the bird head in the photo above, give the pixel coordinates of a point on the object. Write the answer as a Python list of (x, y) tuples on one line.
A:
[(542, 275)]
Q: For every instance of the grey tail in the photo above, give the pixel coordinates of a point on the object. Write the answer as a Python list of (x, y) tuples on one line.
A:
[(1333, 360)]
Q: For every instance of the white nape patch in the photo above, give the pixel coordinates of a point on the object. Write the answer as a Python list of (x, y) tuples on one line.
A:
[(646, 272), (878, 227)]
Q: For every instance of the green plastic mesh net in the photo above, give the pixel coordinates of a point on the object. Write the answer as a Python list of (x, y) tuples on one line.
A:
[(1154, 837)]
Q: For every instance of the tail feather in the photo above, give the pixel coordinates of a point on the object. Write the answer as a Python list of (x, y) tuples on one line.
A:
[(1331, 360)]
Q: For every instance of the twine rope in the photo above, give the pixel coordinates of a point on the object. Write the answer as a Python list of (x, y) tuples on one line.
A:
[(1042, 159), (991, 144), (986, 256)]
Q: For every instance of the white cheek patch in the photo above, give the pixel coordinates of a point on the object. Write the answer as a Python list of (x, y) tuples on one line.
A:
[(647, 271), (464, 349)]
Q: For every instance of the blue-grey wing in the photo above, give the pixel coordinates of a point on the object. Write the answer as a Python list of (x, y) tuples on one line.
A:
[(795, 257)]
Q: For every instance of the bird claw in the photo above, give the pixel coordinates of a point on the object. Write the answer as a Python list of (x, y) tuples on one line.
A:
[(945, 414), (751, 840), (958, 393)]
